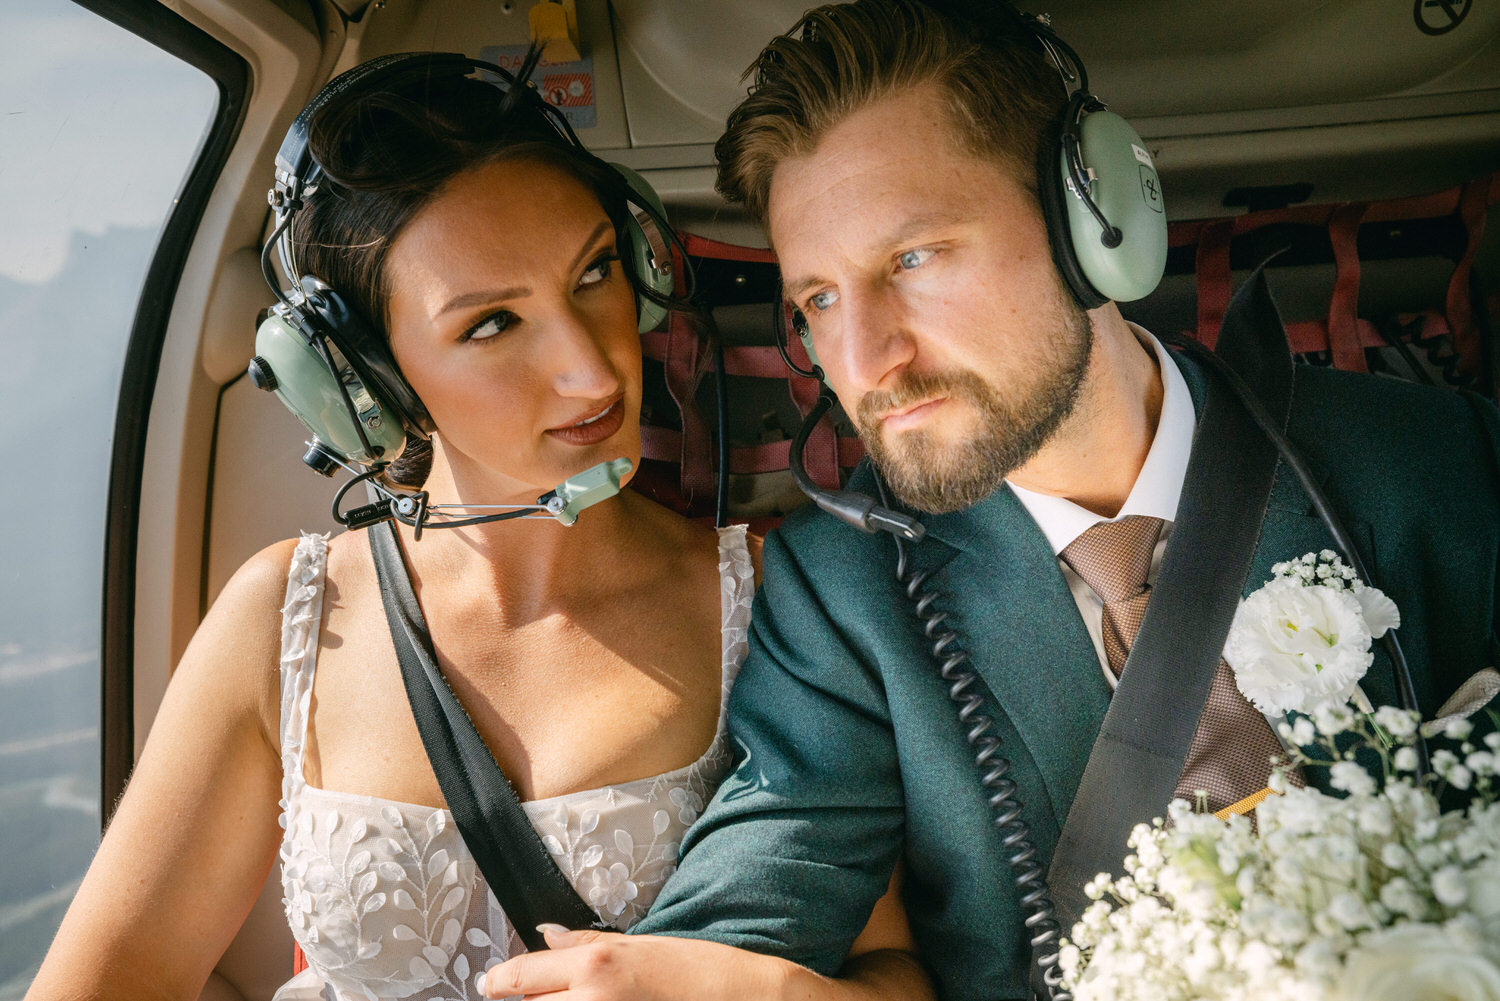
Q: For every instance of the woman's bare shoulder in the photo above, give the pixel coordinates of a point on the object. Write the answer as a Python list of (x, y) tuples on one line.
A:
[(755, 543), (236, 652)]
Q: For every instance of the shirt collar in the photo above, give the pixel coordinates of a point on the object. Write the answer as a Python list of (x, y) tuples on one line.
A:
[(1157, 488)]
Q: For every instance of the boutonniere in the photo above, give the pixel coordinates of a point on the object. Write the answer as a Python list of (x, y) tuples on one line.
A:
[(1302, 642)]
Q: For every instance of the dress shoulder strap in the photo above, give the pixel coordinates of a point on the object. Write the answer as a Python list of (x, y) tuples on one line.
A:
[(736, 592), (301, 616)]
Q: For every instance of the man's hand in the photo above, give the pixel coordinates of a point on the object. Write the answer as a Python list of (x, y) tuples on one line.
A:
[(607, 966)]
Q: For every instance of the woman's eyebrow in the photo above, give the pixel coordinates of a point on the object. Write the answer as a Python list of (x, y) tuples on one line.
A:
[(468, 300)]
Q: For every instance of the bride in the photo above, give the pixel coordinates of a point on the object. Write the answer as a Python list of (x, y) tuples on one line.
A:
[(485, 249)]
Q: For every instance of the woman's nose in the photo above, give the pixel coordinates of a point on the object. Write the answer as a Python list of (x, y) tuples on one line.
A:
[(582, 366)]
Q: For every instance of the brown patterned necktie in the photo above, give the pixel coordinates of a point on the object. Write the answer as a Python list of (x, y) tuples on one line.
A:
[(1114, 558), (1229, 758)]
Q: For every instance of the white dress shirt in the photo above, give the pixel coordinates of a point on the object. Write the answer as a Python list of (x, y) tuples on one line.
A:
[(1156, 492)]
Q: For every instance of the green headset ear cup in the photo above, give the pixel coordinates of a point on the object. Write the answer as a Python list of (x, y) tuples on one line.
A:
[(1128, 191), (304, 383), (649, 250)]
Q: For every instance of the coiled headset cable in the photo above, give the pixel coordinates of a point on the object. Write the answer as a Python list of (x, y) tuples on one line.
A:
[(966, 690)]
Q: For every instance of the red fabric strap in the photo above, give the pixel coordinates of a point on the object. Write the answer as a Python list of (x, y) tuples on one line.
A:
[(681, 365), (702, 246), (1214, 284), (1343, 305), (1460, 311)]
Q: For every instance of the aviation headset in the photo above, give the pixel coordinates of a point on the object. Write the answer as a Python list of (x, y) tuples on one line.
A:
[(324, 361)]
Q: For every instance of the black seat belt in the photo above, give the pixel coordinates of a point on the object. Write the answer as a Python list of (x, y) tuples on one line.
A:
[(520, 871), (1138, 756)]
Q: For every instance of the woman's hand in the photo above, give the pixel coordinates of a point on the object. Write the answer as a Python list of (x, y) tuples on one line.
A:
[(607, 966), (603, 966)]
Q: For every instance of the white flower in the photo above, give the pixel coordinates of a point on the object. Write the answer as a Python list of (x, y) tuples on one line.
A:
[(1405, 759), (1448, 886), (1352, 778), (1484, 902), (1302, 732), (1298, 648), (1413, 962), (1457, 729), (1397, 722), (611, 889), (1402, 898), (1379, 611), (689, 804)]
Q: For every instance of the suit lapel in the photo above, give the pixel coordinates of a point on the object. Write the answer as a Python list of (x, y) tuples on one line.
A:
[(1023, 633)]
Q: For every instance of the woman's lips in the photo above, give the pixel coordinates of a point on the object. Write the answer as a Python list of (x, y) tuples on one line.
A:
[(595, 428)]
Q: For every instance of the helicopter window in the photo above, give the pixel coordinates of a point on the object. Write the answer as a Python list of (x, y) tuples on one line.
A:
[(98, 129)]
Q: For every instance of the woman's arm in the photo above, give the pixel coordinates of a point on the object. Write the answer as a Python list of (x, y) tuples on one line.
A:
[(604, 966), (196, 831)]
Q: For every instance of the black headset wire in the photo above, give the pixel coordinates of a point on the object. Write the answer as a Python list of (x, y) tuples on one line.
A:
[(967, 691), (266, 270)]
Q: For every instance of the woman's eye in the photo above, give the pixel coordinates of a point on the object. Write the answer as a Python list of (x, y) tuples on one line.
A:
[(598, 271), (821, 301), (914, 258), (490, 326)]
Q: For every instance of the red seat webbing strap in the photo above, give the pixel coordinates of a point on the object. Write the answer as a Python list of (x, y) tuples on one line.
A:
[(1343, 305), (702, 246), (1472, 204), (1443, 203), (681, 366), (1214, 284)]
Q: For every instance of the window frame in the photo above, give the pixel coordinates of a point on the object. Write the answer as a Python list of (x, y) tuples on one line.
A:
[(175, 35)]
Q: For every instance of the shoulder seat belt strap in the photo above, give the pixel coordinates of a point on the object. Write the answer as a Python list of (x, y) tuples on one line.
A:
[(522, 873), (1149, 726)]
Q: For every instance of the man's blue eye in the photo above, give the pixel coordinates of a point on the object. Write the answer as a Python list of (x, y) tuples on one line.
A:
[(913, 259), (822, 300)]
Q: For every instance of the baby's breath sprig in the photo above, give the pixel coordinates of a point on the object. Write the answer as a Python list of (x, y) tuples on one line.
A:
[(1326, 568)]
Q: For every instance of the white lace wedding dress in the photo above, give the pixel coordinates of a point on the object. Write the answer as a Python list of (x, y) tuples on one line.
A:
[(384, 897)]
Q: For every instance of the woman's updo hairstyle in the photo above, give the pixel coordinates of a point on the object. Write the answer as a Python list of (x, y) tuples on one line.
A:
[(386, 153)]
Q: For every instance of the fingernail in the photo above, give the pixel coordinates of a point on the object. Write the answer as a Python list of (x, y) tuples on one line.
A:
[(482, 982), (547, 927)]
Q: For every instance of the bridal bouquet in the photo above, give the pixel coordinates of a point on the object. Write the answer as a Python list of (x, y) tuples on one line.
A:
[(1372, 895), (1375, 896)]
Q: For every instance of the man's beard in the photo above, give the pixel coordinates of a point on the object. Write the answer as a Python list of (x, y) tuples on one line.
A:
[(931, 474)]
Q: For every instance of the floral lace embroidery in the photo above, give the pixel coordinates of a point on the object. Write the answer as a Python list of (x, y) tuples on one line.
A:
[(384, 897)]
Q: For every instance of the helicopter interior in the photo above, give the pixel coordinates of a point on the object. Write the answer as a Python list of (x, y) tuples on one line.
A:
[(1361, 140)]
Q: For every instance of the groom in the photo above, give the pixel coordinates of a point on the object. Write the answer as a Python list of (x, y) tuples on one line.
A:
[(1047, 449)]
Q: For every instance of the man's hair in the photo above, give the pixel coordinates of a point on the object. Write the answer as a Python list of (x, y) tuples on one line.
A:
[(1003, 96)]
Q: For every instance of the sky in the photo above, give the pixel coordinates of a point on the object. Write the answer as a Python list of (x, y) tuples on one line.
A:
[(96, 131)]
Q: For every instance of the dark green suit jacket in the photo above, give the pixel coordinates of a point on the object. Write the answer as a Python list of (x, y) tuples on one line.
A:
[(849, 753)]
